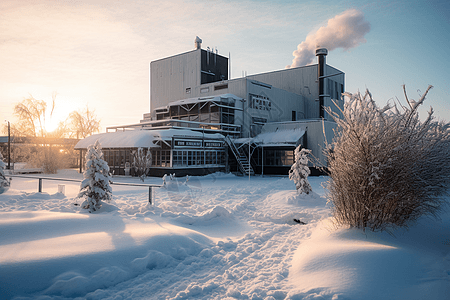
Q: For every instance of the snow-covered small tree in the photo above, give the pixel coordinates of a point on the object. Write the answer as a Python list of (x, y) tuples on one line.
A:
[(96, 184), (3, 181), (142, 162), (299, 171)]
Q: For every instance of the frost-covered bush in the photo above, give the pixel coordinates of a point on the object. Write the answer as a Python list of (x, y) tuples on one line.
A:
[(142, 162), (299, 171), (96, 184), (3, 181), (387, 168)]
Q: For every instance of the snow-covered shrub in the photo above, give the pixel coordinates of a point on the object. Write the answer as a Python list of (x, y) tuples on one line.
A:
[(142, 162), (168, 179), (3, 181), (96, 184), (299, 171), (387, 168)]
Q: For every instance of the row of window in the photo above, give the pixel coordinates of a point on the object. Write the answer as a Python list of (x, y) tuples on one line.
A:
[(161, 158), (198, 157), (334, 89), (184, 158), (276, 157), (117, 158), (195, 109)]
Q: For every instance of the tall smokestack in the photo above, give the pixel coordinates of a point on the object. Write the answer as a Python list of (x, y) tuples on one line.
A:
[(198, 43), (321, 54)]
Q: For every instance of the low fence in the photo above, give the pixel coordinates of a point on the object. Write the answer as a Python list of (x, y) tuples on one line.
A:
[(41, 178)]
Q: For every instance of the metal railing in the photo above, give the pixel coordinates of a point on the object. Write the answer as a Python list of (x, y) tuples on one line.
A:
[(242, 159), (41, 178)]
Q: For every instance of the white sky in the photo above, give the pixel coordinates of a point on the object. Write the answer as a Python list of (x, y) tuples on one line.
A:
[(97, 53)]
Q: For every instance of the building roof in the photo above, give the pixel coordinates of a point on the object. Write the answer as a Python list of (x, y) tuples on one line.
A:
[(141, 138), (200, 99)]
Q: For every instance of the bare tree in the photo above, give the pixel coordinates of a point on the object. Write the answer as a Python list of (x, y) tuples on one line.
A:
[(84, 123), (31, 114), (142, 162), (387, 168)]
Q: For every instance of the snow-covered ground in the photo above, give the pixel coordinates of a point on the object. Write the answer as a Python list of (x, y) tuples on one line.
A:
[(214, 237)]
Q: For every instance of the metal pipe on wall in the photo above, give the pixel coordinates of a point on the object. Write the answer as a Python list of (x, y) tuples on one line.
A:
[(321, 53)]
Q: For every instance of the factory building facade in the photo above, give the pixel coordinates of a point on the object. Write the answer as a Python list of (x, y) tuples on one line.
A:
[(249, 125)]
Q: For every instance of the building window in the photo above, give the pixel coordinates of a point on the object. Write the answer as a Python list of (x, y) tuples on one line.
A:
[(257, 120), (221, 87), (278, 157), (188, 90), (161, 158)]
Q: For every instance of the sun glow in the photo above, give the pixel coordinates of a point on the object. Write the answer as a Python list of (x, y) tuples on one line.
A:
[(60, 114), (51, 124)]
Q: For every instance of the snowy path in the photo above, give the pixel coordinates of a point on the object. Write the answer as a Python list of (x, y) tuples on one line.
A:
[(255, 266)]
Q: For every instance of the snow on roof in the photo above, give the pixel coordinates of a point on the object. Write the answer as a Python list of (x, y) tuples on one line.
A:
[(283, 137), (288, 136), (140, 138), (200, 99)]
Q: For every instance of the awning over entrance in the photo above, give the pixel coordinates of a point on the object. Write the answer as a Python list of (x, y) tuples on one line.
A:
[(283, 137), (280, 137)]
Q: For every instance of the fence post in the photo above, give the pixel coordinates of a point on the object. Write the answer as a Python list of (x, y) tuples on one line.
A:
[(150, 195), (40, 185)]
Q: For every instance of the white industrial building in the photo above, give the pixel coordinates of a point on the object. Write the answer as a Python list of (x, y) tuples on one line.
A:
[(249, 125)]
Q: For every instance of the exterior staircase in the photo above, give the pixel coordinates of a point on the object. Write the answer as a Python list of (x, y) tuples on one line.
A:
[(241, 158)]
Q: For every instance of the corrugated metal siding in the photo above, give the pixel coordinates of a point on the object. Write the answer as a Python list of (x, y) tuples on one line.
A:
[(300, 80), (170, 77)]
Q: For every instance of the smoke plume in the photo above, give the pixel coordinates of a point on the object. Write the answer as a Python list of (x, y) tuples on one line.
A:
[(345, 31)]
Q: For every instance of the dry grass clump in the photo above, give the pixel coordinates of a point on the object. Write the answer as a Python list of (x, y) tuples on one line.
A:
[(387, 168)]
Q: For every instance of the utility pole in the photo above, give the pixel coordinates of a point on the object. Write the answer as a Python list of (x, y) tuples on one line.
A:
[(9, 146)]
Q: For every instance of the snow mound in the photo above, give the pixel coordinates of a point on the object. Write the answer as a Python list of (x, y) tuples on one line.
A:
[(70, 254), (106, 207), (357, 264), (282, 207), (304, 199), (215, 215)]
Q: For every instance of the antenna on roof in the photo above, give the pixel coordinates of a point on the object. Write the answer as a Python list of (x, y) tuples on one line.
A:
[(229, 63)]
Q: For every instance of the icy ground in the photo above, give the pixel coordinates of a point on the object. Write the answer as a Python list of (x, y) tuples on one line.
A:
[(214, 237)]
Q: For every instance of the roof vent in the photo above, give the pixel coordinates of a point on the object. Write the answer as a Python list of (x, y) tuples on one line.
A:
[(198, 43)]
